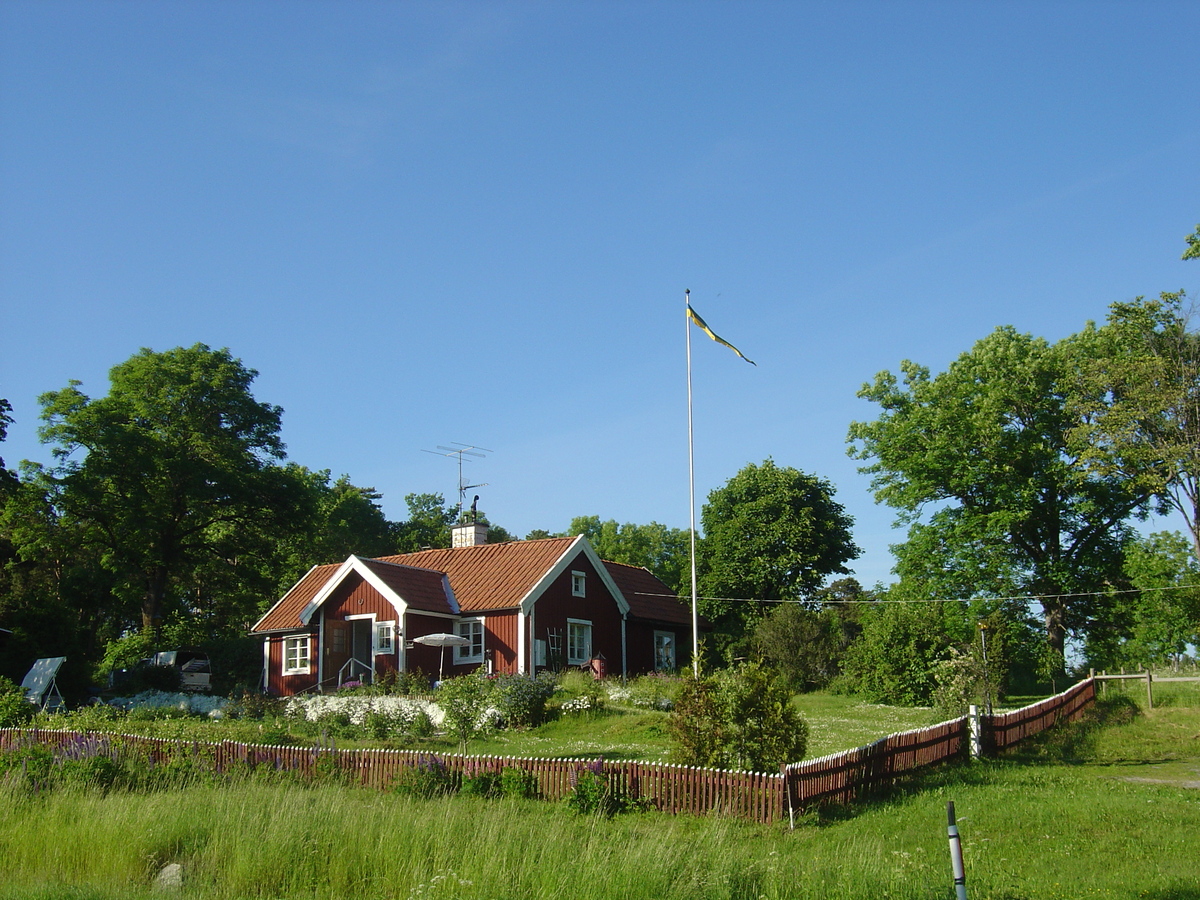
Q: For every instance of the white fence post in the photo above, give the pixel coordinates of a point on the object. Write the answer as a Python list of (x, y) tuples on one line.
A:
[(976, 728)]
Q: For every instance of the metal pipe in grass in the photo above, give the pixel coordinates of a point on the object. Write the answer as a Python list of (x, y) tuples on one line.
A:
[(956, 857)]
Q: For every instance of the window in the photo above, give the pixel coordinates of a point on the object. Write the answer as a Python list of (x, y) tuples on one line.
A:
[(472, 630), (385, 637), (296, 655), (664, 651), (579, 641), (578, 584)]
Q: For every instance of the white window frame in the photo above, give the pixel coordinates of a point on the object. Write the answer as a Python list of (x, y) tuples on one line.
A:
[(474, 653), (579, 584), (660, 636), (385, 638), (582, 627), (295, 642)]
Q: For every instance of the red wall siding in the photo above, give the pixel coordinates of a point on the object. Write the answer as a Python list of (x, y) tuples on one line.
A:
[(285, 685), (558, 604)]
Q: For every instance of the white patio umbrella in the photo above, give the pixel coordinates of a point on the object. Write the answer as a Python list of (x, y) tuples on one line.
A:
[(443, 640)]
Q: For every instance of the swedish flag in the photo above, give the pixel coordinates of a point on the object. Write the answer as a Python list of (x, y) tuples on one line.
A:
[(691, 314)]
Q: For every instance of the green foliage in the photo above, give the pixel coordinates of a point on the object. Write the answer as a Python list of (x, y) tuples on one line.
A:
[(770, 534), (741, 718), (1160, 608), (1139, 403), (591, 794), (806, 645), (763, 731), (521, 699), (980, 461), (428, 524), (698, 724), (170, 478), (1193, 248), (518, 783), (15, 710), (428, 777), (651, 691), (895, 659), (465, 700)]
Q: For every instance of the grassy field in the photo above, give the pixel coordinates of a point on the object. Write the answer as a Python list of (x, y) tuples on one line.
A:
[(1097, 810)]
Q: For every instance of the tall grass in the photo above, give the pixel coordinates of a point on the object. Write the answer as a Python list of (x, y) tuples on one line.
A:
[(1033, 826), (1069, 815)]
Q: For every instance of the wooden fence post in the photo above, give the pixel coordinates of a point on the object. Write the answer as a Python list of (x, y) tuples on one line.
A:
[(1149, 690)]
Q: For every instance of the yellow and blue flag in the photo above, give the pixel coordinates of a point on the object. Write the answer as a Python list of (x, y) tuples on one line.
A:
[(691, 313)]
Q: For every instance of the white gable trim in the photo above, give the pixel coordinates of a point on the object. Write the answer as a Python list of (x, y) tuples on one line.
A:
[(357, 566), (580, 545)]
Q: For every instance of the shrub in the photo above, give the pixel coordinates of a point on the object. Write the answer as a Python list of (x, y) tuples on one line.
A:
[(517, 783), (740, 717), (465, 700), (254, 705), (590, 790), (15, 710), (478, 781), (521, 699), (429, 777), (654, 691)]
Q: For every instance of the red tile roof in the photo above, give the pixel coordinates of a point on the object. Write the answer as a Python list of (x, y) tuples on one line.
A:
[(420, 588), (285, 615), (486, 577), (648, 597), (491, 576)]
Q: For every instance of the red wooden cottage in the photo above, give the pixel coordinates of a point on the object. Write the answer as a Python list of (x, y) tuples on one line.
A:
[(523, 606)]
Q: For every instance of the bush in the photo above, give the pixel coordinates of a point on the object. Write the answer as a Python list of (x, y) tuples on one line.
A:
[(254, 705), (430, 777), (742, 717), (517, 783), (522, 699), (15, 710), (654, 691), (590, 790), (465, 701)]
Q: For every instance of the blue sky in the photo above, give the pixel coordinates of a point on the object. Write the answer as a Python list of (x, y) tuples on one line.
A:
[(434, 222)]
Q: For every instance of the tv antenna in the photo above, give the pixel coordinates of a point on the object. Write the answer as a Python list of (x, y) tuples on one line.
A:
[(462, 450)]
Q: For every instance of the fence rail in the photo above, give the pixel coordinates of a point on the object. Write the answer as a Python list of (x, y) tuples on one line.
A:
[(759, 796)]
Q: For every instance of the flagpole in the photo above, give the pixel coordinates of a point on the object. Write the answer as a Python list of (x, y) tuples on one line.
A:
[(692, 490)]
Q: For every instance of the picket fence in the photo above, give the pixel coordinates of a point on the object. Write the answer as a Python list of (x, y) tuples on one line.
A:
[(758, 796)]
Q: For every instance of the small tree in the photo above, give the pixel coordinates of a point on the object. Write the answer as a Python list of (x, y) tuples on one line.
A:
[(464, 701), (763, 730), (698, 724), (742, 717)]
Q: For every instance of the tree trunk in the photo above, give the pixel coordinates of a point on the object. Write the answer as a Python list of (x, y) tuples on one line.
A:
[(152, 604)]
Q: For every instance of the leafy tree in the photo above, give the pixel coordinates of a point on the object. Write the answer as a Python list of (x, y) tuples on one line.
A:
[(7, 479), (1193, 242), (662, 550), (1162, 618), (428, 524), (1139, 403), (170, 473), (770, 534), (979, 461), (896, 657), (805, 643)]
